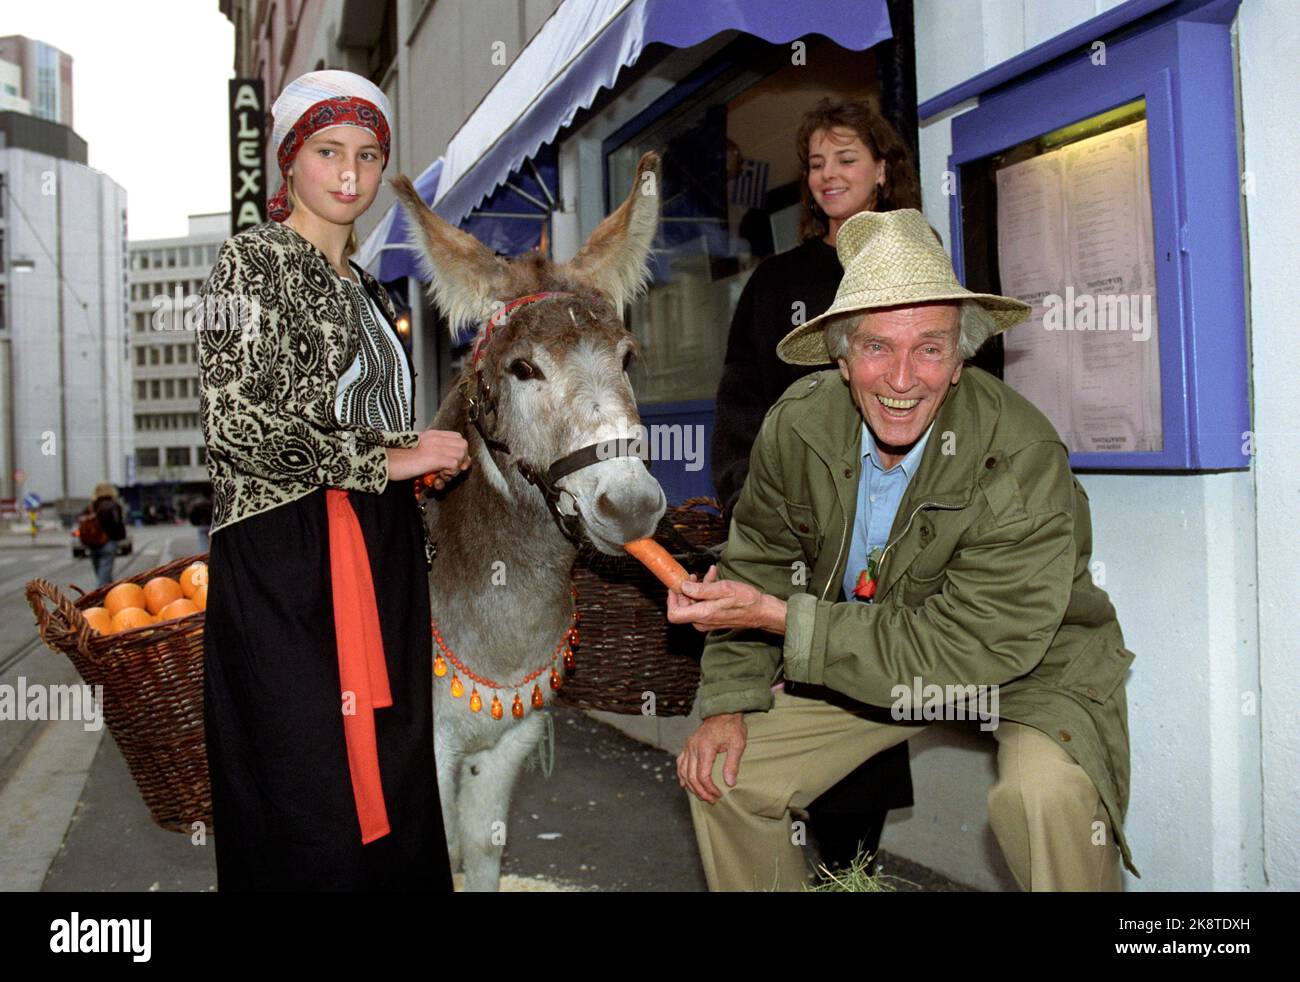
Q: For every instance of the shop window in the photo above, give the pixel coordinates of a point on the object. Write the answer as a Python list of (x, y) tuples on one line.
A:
[(730, 198)]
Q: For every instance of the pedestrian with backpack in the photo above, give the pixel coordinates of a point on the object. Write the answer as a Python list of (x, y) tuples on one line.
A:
[(101, 527)]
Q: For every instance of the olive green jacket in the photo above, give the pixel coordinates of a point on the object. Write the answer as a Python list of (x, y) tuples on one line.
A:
[(985, 579)]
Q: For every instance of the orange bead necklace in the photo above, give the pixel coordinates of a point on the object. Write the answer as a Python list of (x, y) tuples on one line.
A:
[(564, 649)]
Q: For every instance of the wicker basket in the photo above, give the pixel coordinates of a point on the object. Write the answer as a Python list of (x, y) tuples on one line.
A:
[(152, 695), (627, 647)]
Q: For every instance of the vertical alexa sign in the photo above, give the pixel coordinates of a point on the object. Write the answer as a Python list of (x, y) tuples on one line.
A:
[(247, 154)]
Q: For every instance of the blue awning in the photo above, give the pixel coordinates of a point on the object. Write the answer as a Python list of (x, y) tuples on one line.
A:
[(385, 252), (581, 49), (511, 219)]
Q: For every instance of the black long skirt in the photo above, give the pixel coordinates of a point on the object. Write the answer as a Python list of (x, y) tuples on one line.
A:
[(283, 808)]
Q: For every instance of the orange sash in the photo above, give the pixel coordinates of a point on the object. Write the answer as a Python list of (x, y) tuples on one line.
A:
[(363, 672)]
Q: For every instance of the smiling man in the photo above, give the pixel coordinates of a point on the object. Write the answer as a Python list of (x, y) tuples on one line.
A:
[(939, 506)]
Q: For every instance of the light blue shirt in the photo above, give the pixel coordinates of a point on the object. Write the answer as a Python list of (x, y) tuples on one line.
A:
[(880, 492)]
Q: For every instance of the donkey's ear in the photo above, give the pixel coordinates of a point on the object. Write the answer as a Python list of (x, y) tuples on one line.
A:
[(466, 276), (614, 257)]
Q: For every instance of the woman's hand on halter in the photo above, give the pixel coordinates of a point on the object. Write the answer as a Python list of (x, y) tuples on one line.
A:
[(444, 453)]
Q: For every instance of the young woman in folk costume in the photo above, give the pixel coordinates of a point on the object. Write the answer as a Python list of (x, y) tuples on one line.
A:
[(318, 650), (851, 160)]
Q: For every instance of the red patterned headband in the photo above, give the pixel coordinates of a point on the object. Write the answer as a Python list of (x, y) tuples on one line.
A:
[(335, 111)]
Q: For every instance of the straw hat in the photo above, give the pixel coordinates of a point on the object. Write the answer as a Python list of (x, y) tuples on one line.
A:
[(894, 259)]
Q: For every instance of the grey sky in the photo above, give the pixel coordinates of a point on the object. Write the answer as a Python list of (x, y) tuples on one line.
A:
[(148, 97)]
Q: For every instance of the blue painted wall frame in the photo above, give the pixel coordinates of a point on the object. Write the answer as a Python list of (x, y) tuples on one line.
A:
[(1179, 58)]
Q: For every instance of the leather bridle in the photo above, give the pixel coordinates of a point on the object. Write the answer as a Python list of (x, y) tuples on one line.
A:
[(480, 403)]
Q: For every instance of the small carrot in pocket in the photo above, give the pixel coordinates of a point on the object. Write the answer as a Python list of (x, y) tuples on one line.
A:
[(655, 558)]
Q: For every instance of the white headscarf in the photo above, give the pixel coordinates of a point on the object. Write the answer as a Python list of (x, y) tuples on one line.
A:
[(307, 90)]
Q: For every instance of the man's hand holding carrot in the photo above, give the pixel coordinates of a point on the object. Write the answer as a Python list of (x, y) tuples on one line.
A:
[(715, 603)]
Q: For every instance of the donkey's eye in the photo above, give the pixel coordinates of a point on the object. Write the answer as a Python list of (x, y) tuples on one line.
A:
[(524, 370), (628, 358)]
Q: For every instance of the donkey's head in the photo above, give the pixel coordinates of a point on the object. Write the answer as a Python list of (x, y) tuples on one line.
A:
[(547, 392)]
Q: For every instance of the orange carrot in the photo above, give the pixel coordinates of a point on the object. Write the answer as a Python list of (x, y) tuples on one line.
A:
[(655, 557)]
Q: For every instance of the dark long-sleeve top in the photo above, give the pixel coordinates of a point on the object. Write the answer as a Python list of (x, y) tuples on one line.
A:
[(753, 377), (110, 518)]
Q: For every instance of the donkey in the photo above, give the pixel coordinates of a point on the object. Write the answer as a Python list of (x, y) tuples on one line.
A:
[(546, 406)]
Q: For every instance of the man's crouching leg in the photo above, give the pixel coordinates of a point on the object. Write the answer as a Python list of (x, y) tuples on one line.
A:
[(1048, 817), (793, 752)]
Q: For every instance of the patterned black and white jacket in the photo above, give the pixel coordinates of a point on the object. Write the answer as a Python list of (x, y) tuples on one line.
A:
[(276, 329)]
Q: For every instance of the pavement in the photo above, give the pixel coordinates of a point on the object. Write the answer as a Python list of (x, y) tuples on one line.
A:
[(610, 818)]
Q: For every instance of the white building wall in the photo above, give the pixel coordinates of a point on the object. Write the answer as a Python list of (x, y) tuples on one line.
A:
[(185, 264), (1205, 614), (69, 215), (1268, 38)]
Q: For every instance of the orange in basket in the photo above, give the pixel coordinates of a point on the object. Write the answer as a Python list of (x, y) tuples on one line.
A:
[(159, 592), (130, 617), (193, 577), (178, 608), (100, 619), (122, 596)]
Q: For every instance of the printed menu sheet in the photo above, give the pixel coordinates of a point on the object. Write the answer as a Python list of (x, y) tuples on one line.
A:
[(1075, 242)]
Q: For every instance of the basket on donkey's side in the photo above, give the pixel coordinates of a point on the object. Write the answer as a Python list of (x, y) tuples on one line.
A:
[(627, 648), (152, 680)]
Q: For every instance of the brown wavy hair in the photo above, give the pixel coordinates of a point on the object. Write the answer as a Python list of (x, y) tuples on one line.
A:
[(901, 189)]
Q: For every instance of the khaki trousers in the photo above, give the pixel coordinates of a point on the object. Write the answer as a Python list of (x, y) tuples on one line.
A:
[(1045, 811)]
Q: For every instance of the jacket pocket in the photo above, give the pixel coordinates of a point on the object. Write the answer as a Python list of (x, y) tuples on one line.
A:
[(1097, 671), (803, 525)]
